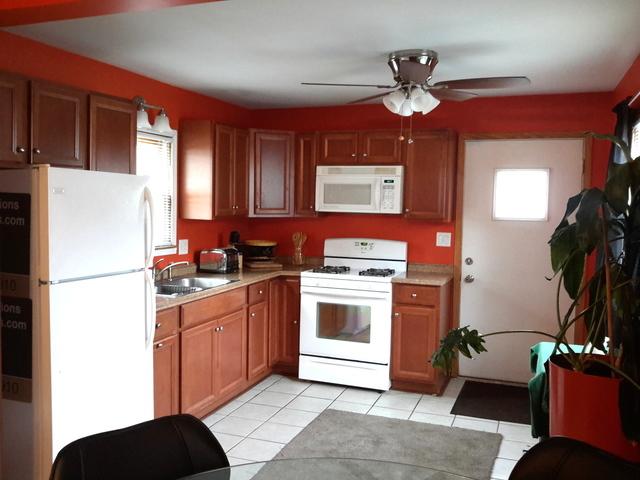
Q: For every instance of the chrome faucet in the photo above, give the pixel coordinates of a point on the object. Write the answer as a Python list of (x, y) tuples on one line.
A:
[(168, 268), (154, 269)]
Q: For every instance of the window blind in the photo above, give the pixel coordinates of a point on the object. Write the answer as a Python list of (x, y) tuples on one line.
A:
[(155, 157), (635, 140)]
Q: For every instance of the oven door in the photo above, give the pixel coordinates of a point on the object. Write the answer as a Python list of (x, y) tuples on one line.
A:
[(345, 324), (347, 193)]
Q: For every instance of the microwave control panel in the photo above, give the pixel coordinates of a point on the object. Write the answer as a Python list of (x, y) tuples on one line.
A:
[(391, 192)]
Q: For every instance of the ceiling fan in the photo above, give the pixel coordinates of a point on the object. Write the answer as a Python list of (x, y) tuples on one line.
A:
[(413, 92)]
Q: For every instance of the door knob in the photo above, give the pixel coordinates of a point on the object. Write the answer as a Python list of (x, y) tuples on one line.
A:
[(469, 279)]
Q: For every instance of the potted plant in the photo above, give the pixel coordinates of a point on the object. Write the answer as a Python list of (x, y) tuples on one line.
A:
[(593, 398)]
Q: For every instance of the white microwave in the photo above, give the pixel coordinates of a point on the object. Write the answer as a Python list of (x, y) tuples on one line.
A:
[(359, 189)]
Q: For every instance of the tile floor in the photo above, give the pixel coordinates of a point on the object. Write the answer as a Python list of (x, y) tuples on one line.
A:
[(257, 424)]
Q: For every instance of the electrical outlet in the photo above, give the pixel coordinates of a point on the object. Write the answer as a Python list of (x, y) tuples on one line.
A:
[(443, 239), (183, 246)]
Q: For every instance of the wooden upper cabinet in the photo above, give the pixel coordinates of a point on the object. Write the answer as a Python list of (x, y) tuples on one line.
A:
[(112, 135), (196, 170), (214, 169), (429, 180), (14, 121), (58, 125), (241, 172), (305, 175), (380, 148), (272, 173), (223, 171), (338, 148)]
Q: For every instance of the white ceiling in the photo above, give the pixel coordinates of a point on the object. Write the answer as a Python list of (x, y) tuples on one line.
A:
[(255, 53)]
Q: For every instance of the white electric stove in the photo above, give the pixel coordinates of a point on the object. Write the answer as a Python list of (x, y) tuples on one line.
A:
[(345, 312)]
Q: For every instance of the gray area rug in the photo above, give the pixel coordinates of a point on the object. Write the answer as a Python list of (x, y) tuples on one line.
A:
[(339, 434)]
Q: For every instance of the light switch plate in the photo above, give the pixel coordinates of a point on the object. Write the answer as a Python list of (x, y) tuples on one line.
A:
[(443, 239), (183, 246)]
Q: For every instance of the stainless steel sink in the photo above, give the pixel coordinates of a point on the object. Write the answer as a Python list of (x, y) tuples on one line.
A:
[(184, 286)]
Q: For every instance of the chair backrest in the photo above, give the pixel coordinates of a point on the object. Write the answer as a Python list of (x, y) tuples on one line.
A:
[(165, 448), (560, 458)]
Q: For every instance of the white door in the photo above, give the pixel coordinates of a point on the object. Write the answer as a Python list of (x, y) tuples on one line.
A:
[(505, 255)]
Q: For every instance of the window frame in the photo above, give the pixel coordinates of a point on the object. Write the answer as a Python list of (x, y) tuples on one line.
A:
[(173, 139)]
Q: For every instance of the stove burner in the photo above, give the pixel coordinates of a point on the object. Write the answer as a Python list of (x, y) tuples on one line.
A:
[(377, 272), (331, 269)]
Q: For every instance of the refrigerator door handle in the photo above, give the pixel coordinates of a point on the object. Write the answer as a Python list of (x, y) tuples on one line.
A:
[(150, 309), (149, 228)]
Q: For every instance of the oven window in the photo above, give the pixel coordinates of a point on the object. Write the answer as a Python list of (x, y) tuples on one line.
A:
[(351, 323), (347, 194)]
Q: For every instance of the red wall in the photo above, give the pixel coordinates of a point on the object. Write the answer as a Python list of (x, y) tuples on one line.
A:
[(549, 113), (26, 57)]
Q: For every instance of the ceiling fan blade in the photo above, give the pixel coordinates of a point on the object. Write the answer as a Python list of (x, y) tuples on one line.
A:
[(455, 95), (348, 85), (369, 98), (489, 82)]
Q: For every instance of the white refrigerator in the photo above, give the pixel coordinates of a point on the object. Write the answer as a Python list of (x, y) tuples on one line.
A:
[(77, 307)]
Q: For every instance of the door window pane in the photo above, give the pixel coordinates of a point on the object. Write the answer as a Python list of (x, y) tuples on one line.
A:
[(347, 194), (521, 194), (350, 323)]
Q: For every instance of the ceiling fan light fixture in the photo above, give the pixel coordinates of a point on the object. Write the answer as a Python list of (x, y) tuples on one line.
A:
[(405, 108), (424, 103), (394, 101)]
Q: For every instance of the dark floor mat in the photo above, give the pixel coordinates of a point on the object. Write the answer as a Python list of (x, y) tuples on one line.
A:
[(493, 401)]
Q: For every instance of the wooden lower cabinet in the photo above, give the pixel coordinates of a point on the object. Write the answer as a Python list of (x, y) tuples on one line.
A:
[(231, 353), (420, 319), (166, 371), (197, 368), (284, 311), (258, 344)]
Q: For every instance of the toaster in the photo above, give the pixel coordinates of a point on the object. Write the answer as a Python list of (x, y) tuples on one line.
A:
[(218, 260)]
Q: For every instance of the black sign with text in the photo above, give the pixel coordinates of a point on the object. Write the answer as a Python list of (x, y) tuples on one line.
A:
[(17, 338), (15, 227)]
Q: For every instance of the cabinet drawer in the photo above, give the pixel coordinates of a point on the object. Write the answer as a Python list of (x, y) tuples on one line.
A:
[(257, 292), (166, 323), (415, 295), (213, 307)]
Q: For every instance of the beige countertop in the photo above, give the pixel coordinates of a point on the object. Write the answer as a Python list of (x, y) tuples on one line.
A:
[(247, 277)]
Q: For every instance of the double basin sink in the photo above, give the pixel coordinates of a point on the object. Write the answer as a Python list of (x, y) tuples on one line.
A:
[(184, 286)]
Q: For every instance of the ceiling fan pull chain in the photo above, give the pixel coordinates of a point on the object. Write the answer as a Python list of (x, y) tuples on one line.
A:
[(410, 140), (401, 136)]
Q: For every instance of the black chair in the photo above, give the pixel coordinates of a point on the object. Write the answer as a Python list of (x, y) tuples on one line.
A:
[(166, 448), (560, 458)]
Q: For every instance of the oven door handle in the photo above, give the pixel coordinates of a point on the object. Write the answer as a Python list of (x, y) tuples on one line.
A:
[(344, 293)]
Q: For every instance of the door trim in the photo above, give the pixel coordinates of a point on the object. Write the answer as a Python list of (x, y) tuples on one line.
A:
[(580, 332)]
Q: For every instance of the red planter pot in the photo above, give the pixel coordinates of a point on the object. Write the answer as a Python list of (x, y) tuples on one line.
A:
[(585, 407)]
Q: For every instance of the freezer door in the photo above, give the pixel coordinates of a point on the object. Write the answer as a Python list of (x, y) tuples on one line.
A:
[(101, 358), (97, 223)]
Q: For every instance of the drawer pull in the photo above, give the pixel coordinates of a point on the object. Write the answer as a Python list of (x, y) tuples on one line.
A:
[(158, 325), (396, 314), (414, 295), (253, 314), (159, 345)]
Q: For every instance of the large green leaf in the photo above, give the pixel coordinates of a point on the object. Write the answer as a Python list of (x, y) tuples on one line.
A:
[(617, 187), (562, 244), (621, 144), (572, 273), (588, 227), (458, 340), (572, 204)]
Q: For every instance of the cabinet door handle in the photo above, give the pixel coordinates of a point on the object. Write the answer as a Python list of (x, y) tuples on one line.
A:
[(253, 314), (406, 210), (414, 295), (353, 154), (396, 314), (216, 329), (158, 325), (222, 329), (365, 155), (259, 292), (159, 345), (21, 150), (295, 322), (36, 151)]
